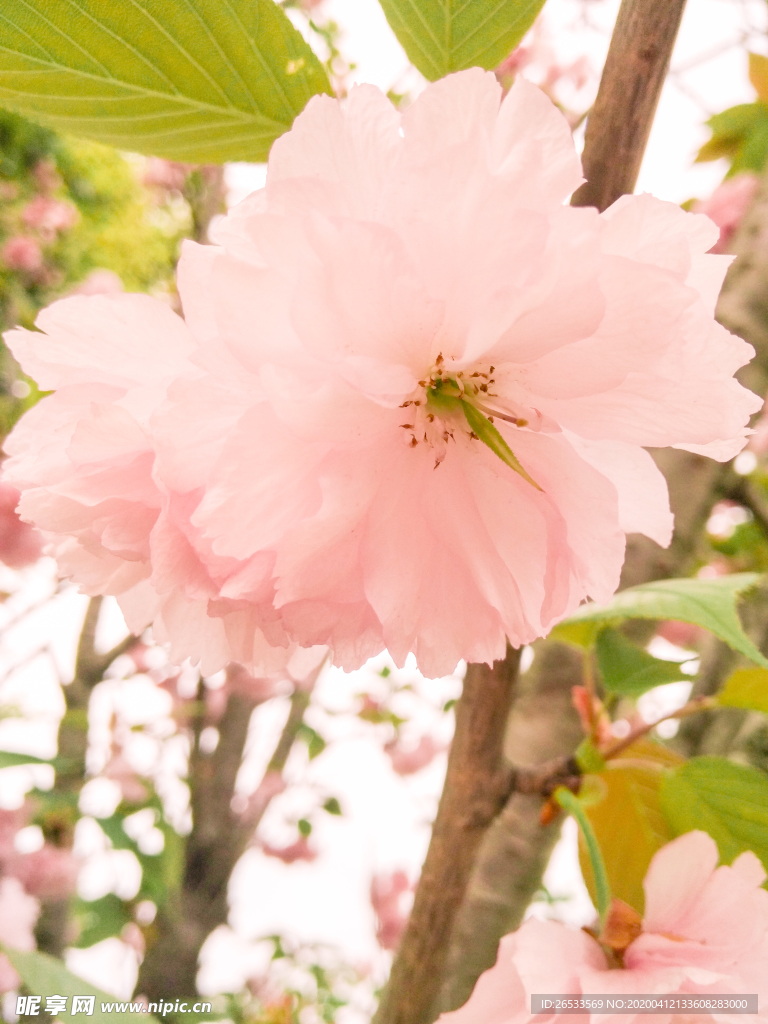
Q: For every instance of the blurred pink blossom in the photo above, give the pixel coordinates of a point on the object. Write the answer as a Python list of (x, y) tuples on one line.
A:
[(166, 174), (100, 282), (18, 914), (22, 253), (407, 759), (46, 175), (294, 467), (20, 543), (300, 850), (391, 901), (49, 873), (49, 216), (727, 205), (705, 930), (682, 634)]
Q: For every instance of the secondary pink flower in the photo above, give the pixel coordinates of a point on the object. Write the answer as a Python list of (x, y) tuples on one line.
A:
[(49, 216), (83, 458), (18, 914), (705, 930), (391, 262), (22, 253), (727, 205)]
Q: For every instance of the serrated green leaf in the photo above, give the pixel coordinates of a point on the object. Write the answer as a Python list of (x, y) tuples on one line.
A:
[(628, 822), (740, 134), (202, 81), (441, 36), (727, 800), (627, 669), (707, 603), (44, 975), (746, 688), (490, 436), (9, 759)]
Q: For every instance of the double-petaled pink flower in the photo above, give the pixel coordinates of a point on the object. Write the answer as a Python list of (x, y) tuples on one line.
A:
[(705, 931), (409, 405)]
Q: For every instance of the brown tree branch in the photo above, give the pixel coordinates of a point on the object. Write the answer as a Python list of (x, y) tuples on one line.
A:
[(219, 837), (620, 122), (476, 787)]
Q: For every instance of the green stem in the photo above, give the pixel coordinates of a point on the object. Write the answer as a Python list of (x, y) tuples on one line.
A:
[(571, 803)]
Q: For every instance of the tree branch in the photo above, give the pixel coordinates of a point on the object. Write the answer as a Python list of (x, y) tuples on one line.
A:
[(620, 122), (476, 786)]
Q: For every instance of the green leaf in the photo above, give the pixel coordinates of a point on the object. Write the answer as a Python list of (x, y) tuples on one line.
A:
[(727, 800), (746, 688), (441, 36), (315, 742), (489, 435), (627, 669), (202, 81), (99, 919), (628, 822), (758, 75), (44, 975), (707, 603), (304, 827), (332, 806), (9, 759)]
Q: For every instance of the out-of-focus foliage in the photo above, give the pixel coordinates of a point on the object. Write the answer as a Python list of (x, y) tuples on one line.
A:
[(70, 209), (740, 133)]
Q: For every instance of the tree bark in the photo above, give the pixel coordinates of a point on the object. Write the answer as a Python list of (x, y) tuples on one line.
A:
[(620, 122), (475, 789)]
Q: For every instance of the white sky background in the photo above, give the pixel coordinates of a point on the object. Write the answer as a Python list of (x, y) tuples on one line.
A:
[(386, 820)]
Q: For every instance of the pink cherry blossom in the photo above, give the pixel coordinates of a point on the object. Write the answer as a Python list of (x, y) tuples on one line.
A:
[(391, 899), (705, 931), (49, 216), (391, 255), (18, 914), (283, 470), (22, 253), (727, 205)]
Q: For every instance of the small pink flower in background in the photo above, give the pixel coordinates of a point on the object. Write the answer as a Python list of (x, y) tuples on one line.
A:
[(294, 467), (727, 205), (22, 253), (47, 176), (18, 914), (20, 543), (705, 930), (49, 216), (100, 282), (407, 759), (165, 174), (300, 850), (391, 898), (49, 873)]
